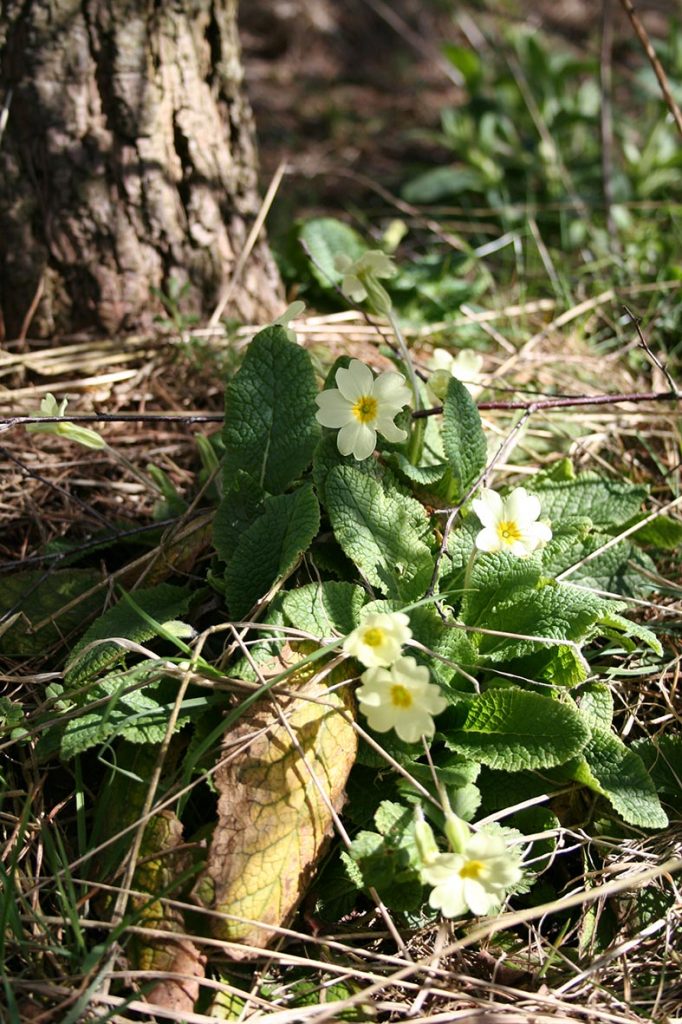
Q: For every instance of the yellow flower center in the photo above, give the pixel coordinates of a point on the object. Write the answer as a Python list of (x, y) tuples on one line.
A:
[(401, 696), (471, 869), (508, 531), (365, 409), (373, 637)]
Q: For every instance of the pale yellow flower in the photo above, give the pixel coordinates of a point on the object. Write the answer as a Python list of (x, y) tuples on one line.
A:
[(477, 879), (362, 405), (379, 638), (466, 366), (401, 698), (510, 524)]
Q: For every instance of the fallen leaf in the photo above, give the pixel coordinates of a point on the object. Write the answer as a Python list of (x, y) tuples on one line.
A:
[(273, 822), (161, 863)]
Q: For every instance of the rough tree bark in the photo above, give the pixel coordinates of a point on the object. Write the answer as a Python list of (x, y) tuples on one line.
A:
[(128, 160)]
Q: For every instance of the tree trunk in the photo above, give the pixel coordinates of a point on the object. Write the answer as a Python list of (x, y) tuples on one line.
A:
[(127, 163)]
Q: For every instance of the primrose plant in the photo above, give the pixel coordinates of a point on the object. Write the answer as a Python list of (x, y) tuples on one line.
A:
[(474, 650), (481, 659)]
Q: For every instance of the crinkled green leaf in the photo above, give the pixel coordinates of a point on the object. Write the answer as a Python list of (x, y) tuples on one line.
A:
[(44, 597), (127, 711), (161, 603), (632, 630), (325, 238), (607, 766), (324, 609), (607, 503), (422, 476), (384, 532), (559, 665), (270, 430), (463, 438), (387, 859), (616, 570), (595, 701), (241, 504), (495, 578), (515, 729), (552, 611), (327, 457), (271, 547), (662, 532), (445, 640)]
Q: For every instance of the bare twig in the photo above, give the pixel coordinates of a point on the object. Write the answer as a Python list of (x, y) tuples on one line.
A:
[(652, 356), (643, 37), (566, 403)]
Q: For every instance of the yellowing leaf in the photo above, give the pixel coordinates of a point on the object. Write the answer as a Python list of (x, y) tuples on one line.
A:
[(273, 822), (164, 857)]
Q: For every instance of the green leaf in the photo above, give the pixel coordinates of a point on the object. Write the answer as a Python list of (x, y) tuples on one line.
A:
[(632, 630), (616, 569), (515, 729), (596, 705), (662, 532), (34, 597), (324, 609), (325, 238), (442, 183), (327, 457), (387, 860), (609, 768), (662, 757), (463, 438), (127, 712), (552, 611), (384, 532), (495, 579), (607, 503), (270, 430), (444, 640), (241, 504), (161, 603), (270, 548), (467, 61)]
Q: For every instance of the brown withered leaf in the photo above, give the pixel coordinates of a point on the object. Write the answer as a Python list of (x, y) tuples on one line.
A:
[(273, 823), (162, 861)]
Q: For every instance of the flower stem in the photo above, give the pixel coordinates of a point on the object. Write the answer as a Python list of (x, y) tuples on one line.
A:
[(416, 443)]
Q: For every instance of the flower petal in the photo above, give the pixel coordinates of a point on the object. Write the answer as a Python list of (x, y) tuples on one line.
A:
[(522, 507), (478, 899), (334, 410), (356, 381), (390, 388), (488, 540), (412, 725), (539, 533), (489, 507), (388, 429)]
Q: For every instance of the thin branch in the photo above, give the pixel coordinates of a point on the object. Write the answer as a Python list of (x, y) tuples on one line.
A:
[(567, 403), (643, 37), (652, 356)]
